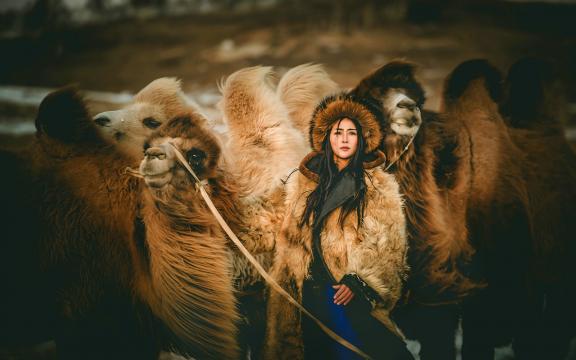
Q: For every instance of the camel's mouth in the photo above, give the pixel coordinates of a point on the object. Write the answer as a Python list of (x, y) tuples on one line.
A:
[(405, 127), (403, 112), (158, 180)]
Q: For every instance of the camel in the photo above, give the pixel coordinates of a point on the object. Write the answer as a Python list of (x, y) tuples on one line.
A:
[(113, 281), (473, 194), (533, 96), (528, 260), (434, 180), (89, 206), (158, 102)]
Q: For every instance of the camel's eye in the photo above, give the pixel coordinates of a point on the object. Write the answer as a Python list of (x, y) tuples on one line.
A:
[(195, 157), (151, 123)]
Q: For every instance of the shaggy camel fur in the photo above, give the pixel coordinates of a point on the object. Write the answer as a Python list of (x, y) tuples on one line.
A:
[(490, 184), (117, 284), (434, 174), (427, 175), (243, 177), (526, 249), (263, 143), (194, 267), (262, 148)]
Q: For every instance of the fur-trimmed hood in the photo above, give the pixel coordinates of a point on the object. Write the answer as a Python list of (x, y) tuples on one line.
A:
[(344, 105)]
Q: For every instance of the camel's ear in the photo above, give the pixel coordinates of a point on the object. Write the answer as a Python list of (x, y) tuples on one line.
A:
[(477, 81), (63, 116), (397, 74), (533, 94)]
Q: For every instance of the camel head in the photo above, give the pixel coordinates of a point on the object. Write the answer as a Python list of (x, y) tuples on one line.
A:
[(160, 166), (64, 127), (401, 96), (402, 112), (128, 128)]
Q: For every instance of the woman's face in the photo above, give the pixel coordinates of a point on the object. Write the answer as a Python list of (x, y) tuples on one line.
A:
[(344, 141)]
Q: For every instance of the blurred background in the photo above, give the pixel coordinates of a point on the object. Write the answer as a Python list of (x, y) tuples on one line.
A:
[(113, 48)]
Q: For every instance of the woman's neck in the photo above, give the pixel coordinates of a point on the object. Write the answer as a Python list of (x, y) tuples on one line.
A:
[(341, 163)]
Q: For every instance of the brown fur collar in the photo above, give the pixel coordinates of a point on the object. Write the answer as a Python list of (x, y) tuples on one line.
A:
[(308, 165), (336, 107)]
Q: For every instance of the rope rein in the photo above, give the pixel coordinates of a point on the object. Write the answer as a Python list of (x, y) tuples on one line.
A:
[(403, 150), (200, 186), (253, 261)]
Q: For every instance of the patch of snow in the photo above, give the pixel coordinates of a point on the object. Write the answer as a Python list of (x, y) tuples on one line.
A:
[(570, 134), (229, 51), (414, 347), (32, 96), (17, 127), (204, 100), (504, 353), (458, 340)]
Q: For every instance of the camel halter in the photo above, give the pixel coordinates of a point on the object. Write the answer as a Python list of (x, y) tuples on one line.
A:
[(397, 100), (403, 150), (253, 261)]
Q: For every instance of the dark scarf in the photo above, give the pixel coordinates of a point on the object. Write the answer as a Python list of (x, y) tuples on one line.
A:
[(342, 190)]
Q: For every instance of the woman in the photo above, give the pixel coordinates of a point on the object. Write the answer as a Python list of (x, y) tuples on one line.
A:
[(342, 247)]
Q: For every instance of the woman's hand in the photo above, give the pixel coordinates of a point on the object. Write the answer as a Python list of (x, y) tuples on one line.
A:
[(343, 294)]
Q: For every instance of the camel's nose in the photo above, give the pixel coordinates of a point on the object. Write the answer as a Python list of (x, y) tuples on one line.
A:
[(102, 120), (156, 153)]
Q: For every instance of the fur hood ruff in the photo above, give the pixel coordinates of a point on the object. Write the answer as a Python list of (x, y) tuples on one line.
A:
[(337, 107)]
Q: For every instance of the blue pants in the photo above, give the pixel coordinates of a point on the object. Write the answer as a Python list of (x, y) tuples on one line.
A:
[(353, 322)]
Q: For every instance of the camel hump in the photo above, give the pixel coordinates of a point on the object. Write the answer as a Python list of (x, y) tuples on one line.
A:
[(304, 83), (397, 74), (249, 99), (533, 94), (301, 89), (62, 115), (475, 83)]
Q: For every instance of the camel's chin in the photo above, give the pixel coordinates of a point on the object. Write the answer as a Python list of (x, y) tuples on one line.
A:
[(158, 180)]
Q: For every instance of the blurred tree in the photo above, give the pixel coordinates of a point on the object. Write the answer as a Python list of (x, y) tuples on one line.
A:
[(347, 15), (148, 3), (45, 16)]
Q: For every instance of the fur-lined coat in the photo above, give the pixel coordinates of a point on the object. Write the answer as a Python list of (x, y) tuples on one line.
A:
[(376, 252)]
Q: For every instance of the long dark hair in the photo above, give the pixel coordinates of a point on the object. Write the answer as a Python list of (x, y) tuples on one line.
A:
[(327, 174)]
